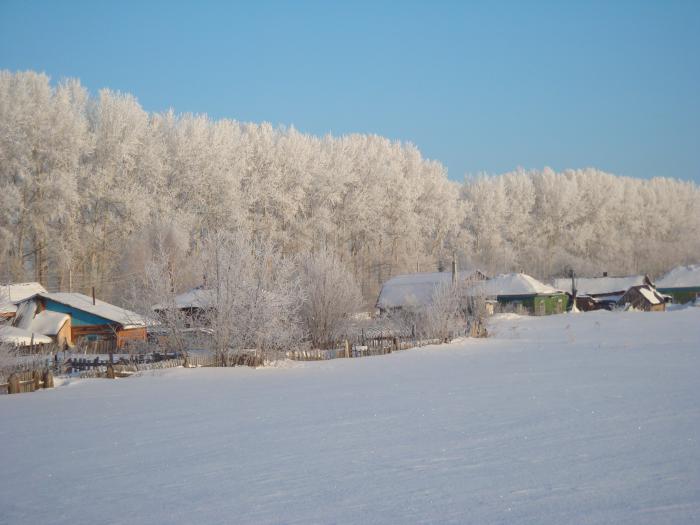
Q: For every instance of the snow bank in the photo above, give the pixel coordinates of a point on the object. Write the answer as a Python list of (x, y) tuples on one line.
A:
[(681, 277), (589, 418)]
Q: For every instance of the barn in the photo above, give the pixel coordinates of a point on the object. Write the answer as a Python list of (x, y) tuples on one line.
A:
[(682, 283), (69, 317)]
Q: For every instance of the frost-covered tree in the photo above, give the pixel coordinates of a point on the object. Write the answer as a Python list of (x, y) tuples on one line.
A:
[(82, 177), (255, 296), (331, 297)]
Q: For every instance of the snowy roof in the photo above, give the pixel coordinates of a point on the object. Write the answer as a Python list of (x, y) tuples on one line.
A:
[(195, 298), (10, 294), (649, 293), (18, 336), (600, 285), (48, 322), (417, 289), (681, 277), (512, 284), (126, 318)]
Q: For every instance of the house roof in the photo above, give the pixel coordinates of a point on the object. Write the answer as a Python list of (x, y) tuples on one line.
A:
[(646, 291), (417, 289), (681, 277), (600, 285), (512, 284), (19, 336), (11, 294), (195, 298), (116, 314)]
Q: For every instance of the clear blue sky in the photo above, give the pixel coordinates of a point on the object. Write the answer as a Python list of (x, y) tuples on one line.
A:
[(480, 86)]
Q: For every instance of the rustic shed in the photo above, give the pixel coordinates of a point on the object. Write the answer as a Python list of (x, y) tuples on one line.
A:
[(644, 297)]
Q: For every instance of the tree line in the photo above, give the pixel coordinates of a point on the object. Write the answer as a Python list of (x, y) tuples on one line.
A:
[(88, 185)]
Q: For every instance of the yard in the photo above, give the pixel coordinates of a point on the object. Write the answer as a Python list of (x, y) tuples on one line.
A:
[(574, 418)]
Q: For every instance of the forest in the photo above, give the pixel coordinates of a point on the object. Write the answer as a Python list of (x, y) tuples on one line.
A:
[(91, 185)]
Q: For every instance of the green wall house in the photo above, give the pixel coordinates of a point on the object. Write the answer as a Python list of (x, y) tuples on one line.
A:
[(682, 283), (521, 291)]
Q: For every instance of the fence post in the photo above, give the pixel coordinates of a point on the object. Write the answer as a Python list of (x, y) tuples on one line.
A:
[(48, 379), (13, 384), (36, 380)]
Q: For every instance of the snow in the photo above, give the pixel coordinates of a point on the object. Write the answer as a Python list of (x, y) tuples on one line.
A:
[(48, 323), (416, 289), (600, 285), (102, 309), (681, 277), (14, 293), (587, 418), (650, 295), (19, 336), (512, 284)]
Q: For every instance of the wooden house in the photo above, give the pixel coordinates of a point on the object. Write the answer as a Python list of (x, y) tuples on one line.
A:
[(193, 304), (682, 283), (415, 291), (522, 293), (596, 293), (643, 297), (72, 317)]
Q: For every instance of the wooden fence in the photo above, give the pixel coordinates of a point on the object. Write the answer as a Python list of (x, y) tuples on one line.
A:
[(27, 381), (380, 345), (31, 380)]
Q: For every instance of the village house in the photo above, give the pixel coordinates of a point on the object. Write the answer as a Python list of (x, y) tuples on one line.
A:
[(415, 291), (594, 293), (67, 318), (522, 292), (682, 283), (193, 304)]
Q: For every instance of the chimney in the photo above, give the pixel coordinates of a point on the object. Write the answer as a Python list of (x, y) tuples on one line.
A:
[(454, 270), (93, 295)]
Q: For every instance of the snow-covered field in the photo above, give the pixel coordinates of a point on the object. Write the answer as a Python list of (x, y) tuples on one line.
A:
[(588, 418)]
